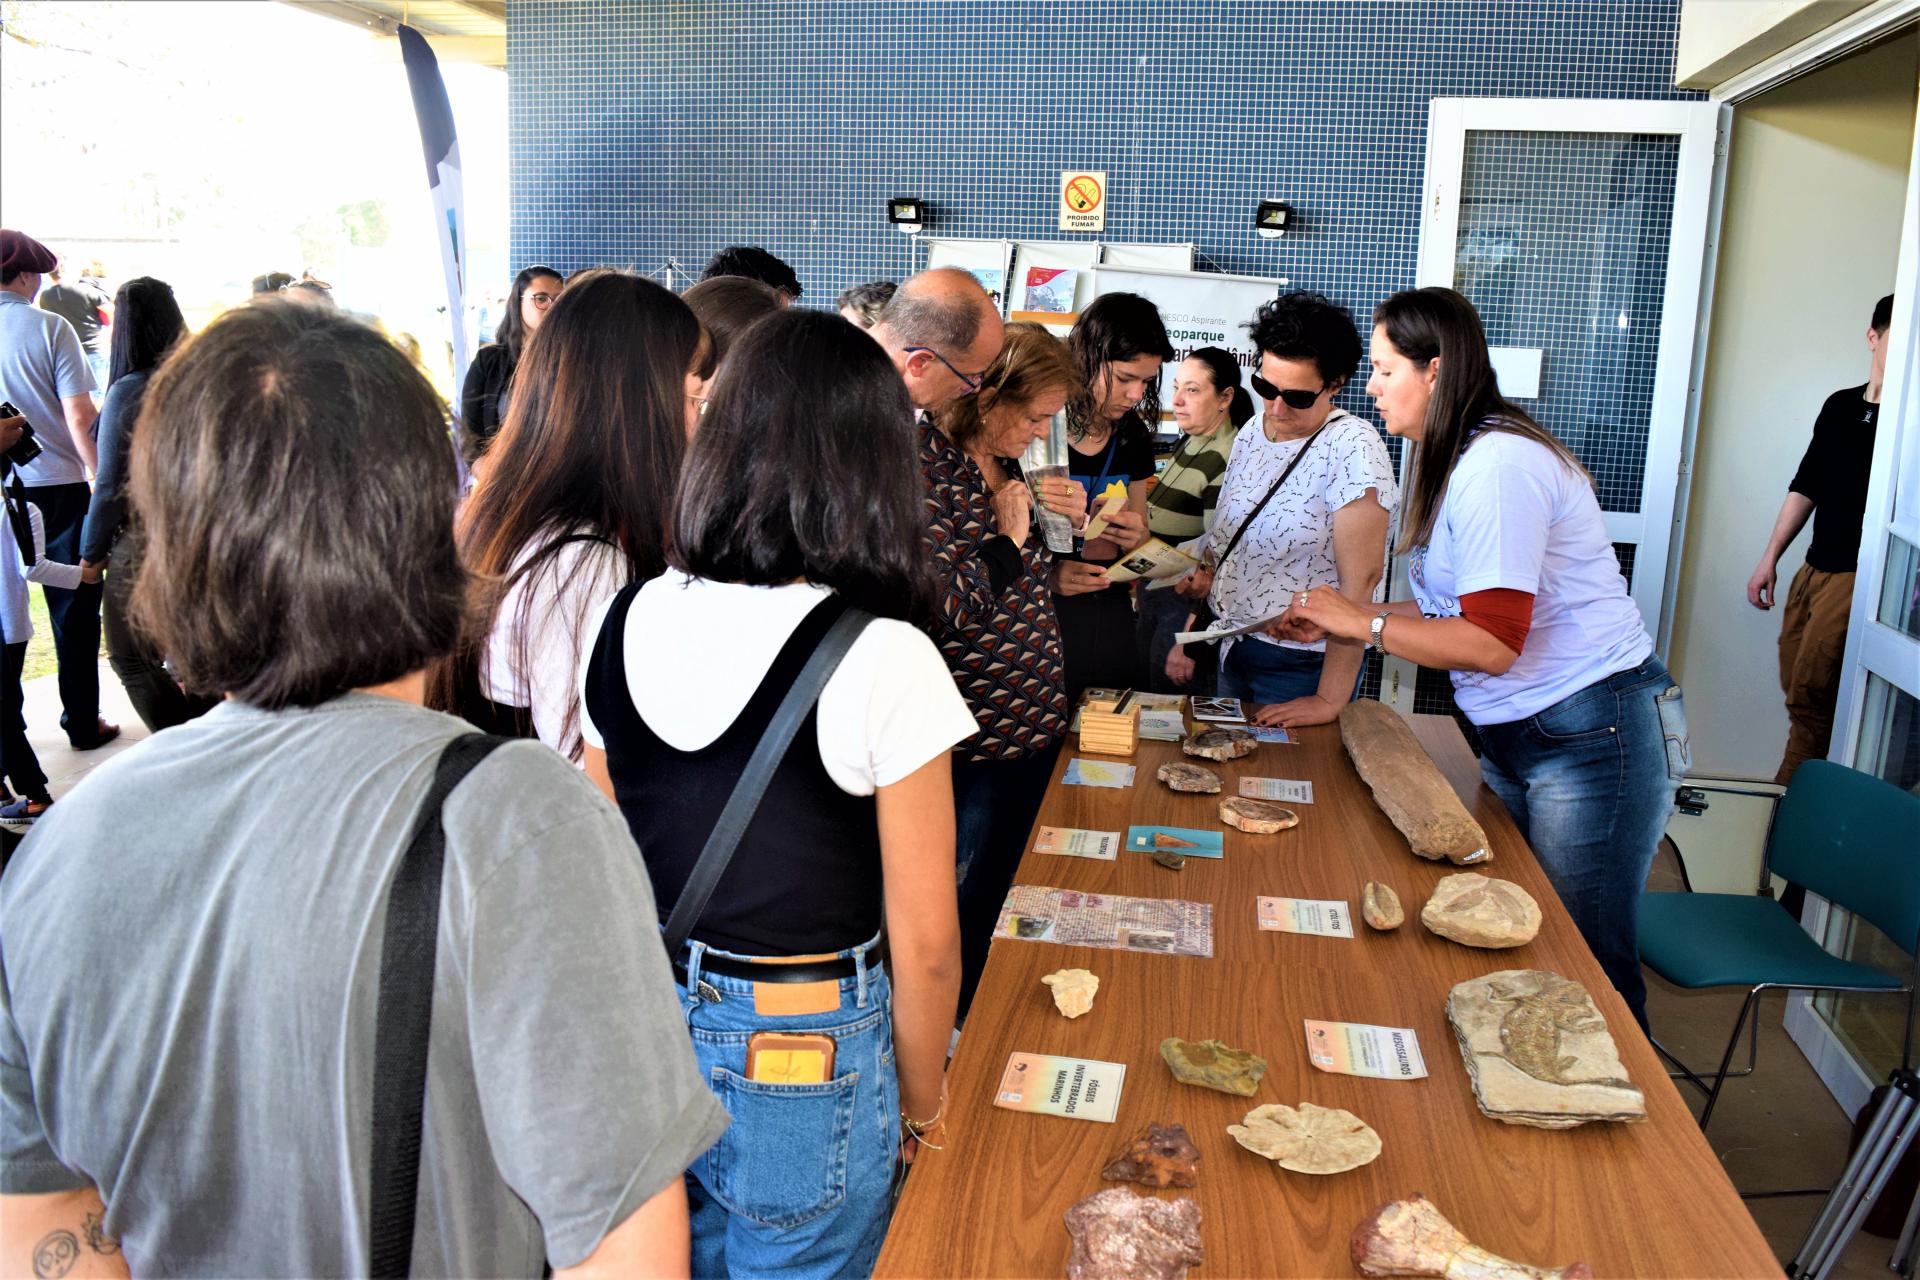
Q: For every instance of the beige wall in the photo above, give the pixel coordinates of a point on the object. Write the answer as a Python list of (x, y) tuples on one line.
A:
[(1816, 181), (1721, 38)]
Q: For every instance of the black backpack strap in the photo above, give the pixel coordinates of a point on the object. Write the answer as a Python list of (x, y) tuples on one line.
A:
[(740, 806), (405, 1014)]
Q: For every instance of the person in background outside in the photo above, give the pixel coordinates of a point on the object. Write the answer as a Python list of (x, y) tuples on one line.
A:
[(1832, 481), (85, 306), (997, 626), (575, 502), (271, 283), (755, 264), (942, 332), (799, 500), (1518, 593), (23, 559), (1119, 344), (44, 374), (1327, 522), (311, 290), (726, 305), (863, 303), (1209, 406), (149, 324), (296, 492), (485, 394)]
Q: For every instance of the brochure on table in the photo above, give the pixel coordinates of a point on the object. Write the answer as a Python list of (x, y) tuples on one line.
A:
[(1200, 308)]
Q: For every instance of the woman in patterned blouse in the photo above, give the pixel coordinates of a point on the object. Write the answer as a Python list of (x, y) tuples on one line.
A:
[(998, 629)]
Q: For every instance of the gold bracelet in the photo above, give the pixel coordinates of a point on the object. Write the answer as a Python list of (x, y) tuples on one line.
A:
[(917, 1128)]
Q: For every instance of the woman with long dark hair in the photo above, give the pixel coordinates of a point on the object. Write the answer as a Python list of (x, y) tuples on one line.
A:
[(576, 499), (147, 325), (1518, 593), (488, 388), (1119, 344), (1209, 406), (800, 500)]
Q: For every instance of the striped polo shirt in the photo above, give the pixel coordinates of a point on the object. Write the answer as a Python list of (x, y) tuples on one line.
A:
[(1181, 506)]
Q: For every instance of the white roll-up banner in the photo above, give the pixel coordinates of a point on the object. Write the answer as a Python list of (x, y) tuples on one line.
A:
[(1200, 309)]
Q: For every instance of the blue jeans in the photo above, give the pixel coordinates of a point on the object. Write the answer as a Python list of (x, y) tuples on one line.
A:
[(1590, 782), (1257, 672), (801, 1182)]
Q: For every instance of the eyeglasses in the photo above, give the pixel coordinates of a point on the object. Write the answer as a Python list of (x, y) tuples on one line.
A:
[(969, 381), (1292, 397)]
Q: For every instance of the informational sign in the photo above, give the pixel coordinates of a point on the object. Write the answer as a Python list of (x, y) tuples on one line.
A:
[(1200, 309), (984, 260), (1083, 200)]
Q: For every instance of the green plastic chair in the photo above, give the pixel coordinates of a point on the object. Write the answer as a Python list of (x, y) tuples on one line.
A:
[(1844, 835)]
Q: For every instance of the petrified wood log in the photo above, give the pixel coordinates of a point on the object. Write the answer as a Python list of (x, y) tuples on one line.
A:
[(1189, 777), (1407, 785)]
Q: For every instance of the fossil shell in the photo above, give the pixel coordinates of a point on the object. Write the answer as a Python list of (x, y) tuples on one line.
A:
[(1189, 777), (1220, 744), (1073, 990), (1308, 1139), (1261, 817), (1380, 906)]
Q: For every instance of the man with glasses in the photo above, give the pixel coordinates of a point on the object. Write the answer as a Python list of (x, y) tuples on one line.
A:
[(1305, 500), (942, 332)]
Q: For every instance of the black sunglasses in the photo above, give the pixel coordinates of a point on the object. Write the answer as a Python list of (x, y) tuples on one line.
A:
[(1292, 398)]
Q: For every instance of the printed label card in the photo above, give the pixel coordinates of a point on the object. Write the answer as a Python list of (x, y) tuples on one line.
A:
[(1097, 773), (1221, 709), (1322, 917), (1188, 842), (1357, 1049), (1078, 1088), (1282, 789), (1075, 842)]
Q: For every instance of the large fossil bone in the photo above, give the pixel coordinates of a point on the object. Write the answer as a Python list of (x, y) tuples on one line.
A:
[(1410, 1238), (1408, 786)]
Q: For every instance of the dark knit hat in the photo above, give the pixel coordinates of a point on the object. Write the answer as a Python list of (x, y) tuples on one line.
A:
[(20, 252)]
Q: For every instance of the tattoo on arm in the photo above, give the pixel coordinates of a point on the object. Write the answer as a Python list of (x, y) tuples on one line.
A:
[(55, 1255), (97, 1238)]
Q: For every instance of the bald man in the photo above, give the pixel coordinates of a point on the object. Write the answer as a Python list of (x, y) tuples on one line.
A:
[(941, 331)]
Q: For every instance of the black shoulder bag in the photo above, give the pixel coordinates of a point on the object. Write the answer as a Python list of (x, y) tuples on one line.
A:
[(404, 1016), (1203, 614)]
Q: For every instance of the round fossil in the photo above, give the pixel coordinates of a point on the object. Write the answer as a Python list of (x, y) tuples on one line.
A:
[(1260, 817), (1220, 744), (1308, 1139), (1189, 777)]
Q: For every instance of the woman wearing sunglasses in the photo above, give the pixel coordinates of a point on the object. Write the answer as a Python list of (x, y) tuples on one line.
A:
[(1306, 499), (1518, 593)]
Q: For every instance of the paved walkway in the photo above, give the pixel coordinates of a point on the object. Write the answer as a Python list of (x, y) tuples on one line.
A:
[(61, 763)]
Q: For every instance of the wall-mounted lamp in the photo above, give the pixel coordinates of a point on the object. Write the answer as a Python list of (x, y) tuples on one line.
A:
[(1273, 218), (907, 214)]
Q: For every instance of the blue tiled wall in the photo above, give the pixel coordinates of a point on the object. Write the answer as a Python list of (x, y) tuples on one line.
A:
[(647, 130)]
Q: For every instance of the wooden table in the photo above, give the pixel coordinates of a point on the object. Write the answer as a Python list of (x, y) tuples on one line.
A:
[(1639, 1200)]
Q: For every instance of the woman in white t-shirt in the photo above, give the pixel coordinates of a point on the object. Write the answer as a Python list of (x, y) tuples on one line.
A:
[(802, 497), (1519, 594), (573, 504)]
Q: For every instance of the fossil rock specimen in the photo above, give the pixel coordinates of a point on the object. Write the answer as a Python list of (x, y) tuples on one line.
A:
[(1073, 990), (1407, 785), (1380, 906), (1170, 860), (1261, 817), (1120, 1235), (1212, 1065), (1308, 1139), (1539, 1053), (1220, 744), (1189, 777), (1160, 1156), (1480, 911), (1410, 1238)]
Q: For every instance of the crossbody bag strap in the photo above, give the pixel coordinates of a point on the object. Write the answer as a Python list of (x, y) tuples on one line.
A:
[(404, 1016), (740, 806), (1260, 506)]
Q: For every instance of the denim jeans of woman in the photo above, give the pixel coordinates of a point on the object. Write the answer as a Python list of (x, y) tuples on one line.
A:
[(1259, 673), (1590, 782), (800, 1184)]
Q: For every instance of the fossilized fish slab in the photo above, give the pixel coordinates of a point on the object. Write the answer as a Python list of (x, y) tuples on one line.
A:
[(1539, 1052), (1480, 911)]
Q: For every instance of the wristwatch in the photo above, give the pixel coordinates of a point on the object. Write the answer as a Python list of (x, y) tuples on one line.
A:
[(1374, 628)]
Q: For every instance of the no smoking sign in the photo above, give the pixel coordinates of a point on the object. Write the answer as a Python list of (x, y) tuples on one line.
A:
[(1083, 200)]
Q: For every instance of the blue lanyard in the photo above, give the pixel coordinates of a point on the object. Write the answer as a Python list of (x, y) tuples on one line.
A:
[(1106, 466)]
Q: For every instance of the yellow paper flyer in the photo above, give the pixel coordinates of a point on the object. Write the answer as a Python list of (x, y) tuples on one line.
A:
[(1078, 1088), (1356, 1049)]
